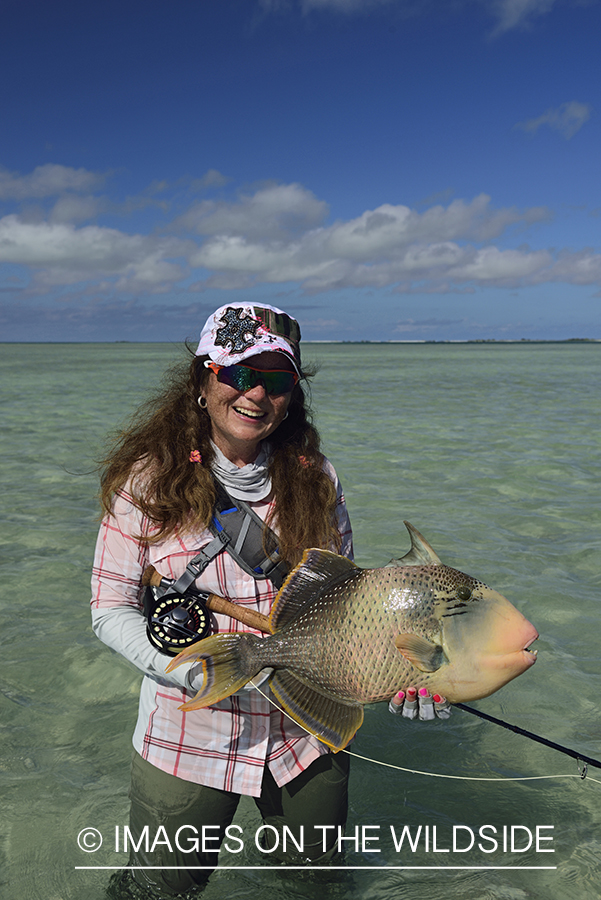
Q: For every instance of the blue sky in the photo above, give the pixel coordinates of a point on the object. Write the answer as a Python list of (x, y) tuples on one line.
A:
[(382, 169)]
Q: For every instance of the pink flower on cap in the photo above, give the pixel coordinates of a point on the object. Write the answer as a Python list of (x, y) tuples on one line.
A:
[(239, 330)]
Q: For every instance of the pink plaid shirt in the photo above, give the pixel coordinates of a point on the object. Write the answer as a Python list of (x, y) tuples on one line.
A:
[(224, 746)]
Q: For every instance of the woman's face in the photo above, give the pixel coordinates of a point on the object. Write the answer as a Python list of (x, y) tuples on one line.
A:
[(240, 421)]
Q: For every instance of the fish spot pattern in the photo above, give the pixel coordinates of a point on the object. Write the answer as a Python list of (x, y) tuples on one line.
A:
[(343, 641)]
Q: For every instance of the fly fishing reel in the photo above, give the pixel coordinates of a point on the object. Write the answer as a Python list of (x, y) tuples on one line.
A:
[(174, 621)]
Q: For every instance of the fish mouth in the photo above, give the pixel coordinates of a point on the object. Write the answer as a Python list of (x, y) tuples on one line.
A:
[(531, 653)]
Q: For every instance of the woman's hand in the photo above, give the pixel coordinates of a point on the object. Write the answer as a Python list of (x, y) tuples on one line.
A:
[(414, 704)]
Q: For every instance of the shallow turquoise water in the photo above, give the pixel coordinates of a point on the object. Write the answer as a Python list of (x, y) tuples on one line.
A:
[(491, 451)]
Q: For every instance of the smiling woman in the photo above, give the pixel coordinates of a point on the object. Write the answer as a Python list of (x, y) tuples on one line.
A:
[(202, 411), (241, 417), (234, 423)]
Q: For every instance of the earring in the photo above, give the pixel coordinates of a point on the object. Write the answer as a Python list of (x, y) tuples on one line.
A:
[(285, 416), (202, 402)]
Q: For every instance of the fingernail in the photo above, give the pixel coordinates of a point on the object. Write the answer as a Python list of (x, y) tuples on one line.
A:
[(442, 707)]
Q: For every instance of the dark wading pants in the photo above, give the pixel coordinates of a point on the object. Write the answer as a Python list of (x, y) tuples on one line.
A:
[(318, 796)]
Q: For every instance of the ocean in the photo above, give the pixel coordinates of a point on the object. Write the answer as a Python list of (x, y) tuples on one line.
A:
[(492, 451)]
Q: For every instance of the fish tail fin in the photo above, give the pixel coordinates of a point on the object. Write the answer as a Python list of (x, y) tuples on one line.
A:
[(229, 661)]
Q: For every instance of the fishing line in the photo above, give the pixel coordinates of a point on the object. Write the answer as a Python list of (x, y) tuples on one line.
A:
[(378, 762)]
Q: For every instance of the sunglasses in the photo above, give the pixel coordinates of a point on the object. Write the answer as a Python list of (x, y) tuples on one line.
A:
[(243, 378)]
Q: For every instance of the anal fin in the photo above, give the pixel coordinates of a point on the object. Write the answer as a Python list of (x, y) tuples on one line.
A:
[(331, 720)]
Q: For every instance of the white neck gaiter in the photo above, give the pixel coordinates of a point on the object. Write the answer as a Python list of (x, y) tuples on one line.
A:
[(251, 482)]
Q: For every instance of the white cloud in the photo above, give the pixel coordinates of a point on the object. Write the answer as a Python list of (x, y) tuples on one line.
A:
[(47, 181), (583, 267), (347, 6), (490, 265), (74, 193), (279, 235), (380, 247), (344, 6), (61, 254), (211, 178), (270, 212), (519, 13), (71, 208), (567, 119), (388, 228), (509, 14)]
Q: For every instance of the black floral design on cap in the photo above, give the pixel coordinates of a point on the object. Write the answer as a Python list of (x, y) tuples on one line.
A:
[(237, 330)]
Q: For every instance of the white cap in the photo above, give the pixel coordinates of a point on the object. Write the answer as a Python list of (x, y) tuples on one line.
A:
[(239, 330)]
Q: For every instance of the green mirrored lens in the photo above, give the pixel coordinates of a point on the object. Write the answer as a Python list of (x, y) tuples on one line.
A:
[(243, 378)]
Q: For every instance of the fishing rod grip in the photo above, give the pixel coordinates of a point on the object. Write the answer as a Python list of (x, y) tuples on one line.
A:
[(250, 617), (152, 578)]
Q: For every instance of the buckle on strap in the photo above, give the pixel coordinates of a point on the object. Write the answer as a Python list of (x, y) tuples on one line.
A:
[(202, 559)]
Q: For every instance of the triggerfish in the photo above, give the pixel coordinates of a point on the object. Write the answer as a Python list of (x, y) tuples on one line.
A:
[(343, 637)]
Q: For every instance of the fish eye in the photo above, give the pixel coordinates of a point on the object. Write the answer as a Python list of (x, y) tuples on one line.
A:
[(463, 592)]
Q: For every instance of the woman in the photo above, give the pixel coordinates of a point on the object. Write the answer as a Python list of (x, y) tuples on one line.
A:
[(238, 415)]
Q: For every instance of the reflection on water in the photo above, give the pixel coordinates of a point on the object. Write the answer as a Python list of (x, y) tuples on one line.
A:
[(491, 451)]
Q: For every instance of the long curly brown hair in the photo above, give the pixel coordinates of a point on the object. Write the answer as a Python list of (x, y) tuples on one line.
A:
[(178, 495)]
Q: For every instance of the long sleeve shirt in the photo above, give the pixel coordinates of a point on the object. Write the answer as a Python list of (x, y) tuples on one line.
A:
[(224, 746)]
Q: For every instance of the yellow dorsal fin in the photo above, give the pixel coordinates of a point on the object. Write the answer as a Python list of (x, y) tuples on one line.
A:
[(317, 571)]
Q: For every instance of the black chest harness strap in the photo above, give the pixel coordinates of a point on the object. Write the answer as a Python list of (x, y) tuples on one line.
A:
[(253, 545), (175, 612), (240, 531)]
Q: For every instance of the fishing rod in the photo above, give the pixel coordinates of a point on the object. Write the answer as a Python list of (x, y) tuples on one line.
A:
[(580, 757)]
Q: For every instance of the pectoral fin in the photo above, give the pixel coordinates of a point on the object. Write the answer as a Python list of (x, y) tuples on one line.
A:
[(421, 653)]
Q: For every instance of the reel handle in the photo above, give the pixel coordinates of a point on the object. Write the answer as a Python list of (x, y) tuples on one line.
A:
[(216, 604)]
